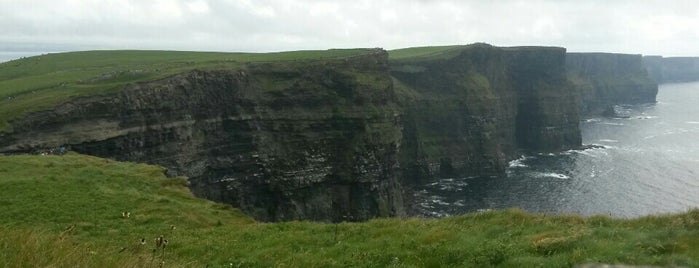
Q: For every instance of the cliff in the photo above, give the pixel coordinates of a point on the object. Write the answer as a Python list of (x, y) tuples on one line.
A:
[(282, 140), (607, 79), (330, 139), (672, 69), (469, 110)]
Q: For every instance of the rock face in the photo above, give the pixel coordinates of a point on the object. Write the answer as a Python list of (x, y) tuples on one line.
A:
[(672, 69), (469, 113), (282, 141), (606, 79), (328, 140)]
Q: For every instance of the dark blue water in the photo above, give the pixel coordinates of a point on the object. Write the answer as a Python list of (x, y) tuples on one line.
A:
[(648, 163)]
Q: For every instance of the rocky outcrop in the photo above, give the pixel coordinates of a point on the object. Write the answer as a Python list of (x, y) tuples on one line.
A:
[(607, 79), (469, 113), (672, 69)]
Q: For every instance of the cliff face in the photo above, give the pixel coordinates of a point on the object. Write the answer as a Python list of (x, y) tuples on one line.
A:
[(606, 79), (468, 113), (282, 141), (672, 69), (328, 140), (654, 67)]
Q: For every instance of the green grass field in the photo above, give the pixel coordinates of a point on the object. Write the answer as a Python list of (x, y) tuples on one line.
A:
[(66, 211), (41, 82)]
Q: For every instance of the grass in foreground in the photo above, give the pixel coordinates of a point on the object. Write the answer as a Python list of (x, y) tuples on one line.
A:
[(41, 82), (65, 211)]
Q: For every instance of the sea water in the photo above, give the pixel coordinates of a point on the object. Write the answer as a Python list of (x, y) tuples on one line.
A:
[(13, 55), (646, 162)]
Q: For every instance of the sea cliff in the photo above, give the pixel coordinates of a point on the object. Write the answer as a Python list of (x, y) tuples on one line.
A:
[(469, 110), (672, 69), (284, 140), (341, 138), (607, 79)]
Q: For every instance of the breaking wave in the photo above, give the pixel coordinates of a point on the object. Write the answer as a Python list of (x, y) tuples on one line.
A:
[(551, 175)]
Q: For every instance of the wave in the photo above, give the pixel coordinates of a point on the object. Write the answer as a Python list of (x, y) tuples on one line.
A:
[(551, 175), (692, 122), (645, 117), (592, 120), (586, 150), (611, 124), (518, 163), (449, 184), (591, 147)]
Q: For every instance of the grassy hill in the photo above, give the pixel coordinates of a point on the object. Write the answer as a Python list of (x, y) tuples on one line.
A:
[(66, 211), (41, 82)]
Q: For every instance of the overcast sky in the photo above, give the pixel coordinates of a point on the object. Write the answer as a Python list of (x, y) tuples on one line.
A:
[(669, 28)]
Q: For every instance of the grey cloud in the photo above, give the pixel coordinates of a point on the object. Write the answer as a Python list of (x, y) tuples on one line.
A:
[(648, 27)]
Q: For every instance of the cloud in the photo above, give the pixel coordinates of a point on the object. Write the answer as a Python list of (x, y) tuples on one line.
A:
[(648, 27)]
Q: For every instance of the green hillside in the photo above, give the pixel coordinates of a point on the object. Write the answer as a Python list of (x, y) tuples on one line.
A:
[(66, 211), (41, 82)]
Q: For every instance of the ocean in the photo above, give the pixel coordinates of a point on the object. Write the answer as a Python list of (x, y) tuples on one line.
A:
[(646, 162), (13, 55)]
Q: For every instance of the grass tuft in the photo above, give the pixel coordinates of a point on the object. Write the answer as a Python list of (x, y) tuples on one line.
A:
[(67, 211)]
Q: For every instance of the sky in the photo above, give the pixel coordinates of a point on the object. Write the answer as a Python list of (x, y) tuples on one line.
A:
[(668, 28)]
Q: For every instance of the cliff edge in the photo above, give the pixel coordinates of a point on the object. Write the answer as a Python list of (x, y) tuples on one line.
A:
[(285, 140), (336, 138), (672, 69), (469, 110), (607, 79)]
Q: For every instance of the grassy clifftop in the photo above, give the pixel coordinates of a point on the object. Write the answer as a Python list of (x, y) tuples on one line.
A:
[(425, 52), (65, 211), (41, 82)]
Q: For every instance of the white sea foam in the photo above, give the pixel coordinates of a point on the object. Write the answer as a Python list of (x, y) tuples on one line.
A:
[(454, 187), (592, 120), (646, 117), (585, 152), (591, 148), (518, 163), (569, 152), (551, 175), (692, 122), (608, 140), (612, 124), (440, 202)]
